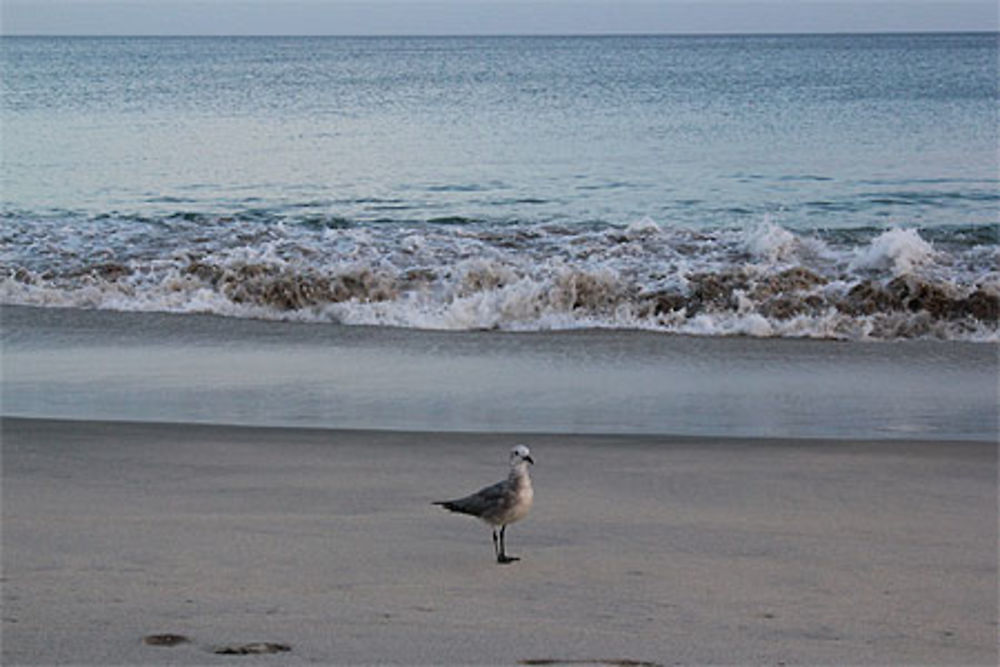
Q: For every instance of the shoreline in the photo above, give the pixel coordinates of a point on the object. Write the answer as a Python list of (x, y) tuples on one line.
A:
[(190, 368), (644, 548), (625, 438)]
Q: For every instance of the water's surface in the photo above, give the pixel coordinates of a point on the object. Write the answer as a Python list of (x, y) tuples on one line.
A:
[(154, 367), (832, 186)]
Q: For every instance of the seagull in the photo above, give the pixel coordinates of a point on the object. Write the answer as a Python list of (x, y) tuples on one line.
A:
[(502, 503)]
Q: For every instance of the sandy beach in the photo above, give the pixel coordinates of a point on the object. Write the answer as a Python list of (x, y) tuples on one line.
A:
[(641, 548)]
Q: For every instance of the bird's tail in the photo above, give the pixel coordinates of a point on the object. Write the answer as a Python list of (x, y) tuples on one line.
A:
[(449, 505)]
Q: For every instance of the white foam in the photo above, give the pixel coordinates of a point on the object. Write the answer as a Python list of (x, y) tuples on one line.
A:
[(898, 250), (771, 243), (643, 228), (519, 278)]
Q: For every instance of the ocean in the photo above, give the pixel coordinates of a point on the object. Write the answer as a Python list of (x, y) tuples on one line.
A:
[(815, 186)]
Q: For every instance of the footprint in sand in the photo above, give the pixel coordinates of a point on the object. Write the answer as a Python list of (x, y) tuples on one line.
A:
[(256, 648), (165, 640)]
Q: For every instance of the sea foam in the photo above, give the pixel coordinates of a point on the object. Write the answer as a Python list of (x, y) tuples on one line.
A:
[(765, 281), (900, 251)]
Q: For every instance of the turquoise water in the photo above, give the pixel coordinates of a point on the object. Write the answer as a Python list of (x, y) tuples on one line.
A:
[(512, 183)]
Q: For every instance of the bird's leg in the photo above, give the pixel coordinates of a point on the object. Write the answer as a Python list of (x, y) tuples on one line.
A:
[(502, 556), (496, 545)]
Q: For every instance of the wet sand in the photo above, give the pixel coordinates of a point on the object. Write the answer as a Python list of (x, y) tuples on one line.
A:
[(646, 548), (80, 364)]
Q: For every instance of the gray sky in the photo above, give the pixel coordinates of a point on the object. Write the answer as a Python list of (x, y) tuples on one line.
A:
[(422, 17)]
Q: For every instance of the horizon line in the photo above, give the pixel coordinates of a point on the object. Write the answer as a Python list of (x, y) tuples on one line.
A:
[(723, 33)]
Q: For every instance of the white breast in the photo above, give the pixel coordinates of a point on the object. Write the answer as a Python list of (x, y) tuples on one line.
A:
[(525, 496)]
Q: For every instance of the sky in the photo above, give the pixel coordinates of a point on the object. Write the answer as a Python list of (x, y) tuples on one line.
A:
[(478, 17)]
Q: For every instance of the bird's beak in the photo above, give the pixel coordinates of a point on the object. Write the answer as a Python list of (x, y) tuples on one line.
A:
[(529, 460)]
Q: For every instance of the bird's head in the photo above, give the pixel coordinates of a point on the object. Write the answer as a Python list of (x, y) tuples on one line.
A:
[(520, 453)]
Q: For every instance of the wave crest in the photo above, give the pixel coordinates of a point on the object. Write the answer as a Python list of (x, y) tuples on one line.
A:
[(901, 251), (767, 281)]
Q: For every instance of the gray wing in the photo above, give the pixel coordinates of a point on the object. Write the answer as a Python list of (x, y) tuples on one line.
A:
[(482, 503)]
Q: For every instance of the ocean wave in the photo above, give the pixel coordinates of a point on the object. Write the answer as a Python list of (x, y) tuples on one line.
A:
[(763, 281), (901, 251)]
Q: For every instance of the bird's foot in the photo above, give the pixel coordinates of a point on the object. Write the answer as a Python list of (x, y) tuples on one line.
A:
[(503, 559)]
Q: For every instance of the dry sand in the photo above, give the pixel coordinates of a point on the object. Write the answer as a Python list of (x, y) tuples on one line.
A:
[(672, 551)]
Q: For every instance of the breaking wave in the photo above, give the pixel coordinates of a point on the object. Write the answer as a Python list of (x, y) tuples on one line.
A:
[(763, 281)]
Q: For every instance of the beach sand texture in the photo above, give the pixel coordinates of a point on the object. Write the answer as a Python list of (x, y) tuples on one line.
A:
[(643, 548)]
